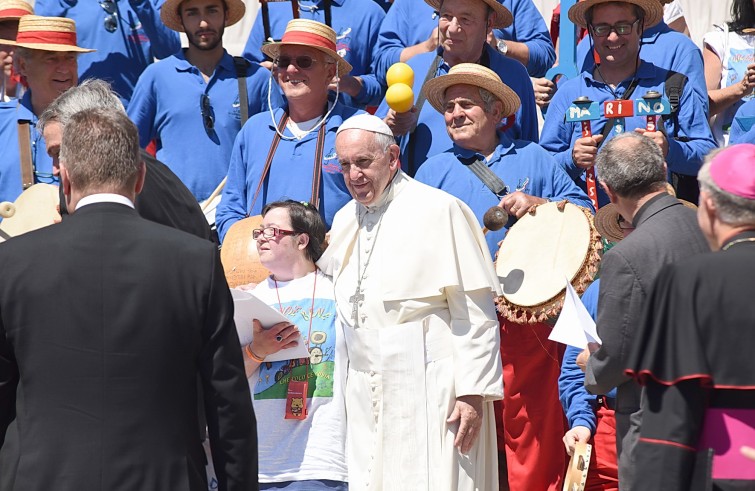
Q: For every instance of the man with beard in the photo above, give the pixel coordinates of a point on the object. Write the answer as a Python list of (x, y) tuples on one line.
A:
[(193, 96)]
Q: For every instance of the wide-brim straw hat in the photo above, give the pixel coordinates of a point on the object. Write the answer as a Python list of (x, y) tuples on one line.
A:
[(14, 9), (171, 17), (503, 17), (653, 10), (46, 34), (471, 74), (305, 32), (607, 219)]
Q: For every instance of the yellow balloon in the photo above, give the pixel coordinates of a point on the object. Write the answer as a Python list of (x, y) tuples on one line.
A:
[(400, 97), (400, 73)]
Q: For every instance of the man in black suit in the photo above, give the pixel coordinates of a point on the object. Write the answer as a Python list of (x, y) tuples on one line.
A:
[(164, 198), (106, 320), (633, 174)]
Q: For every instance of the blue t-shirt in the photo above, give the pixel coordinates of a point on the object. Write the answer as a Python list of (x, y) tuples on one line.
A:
[(686, 151), (10, 159), (521, 166), (291, 170), (122, 55), (356, 23), (743, 124), (430, 136), (166, 106), (409, 22)]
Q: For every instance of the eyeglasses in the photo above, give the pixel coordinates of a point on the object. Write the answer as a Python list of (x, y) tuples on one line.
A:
[(270, 232), (111, 21), (621, 29), (207, 118), (623, 224), (304, 62)]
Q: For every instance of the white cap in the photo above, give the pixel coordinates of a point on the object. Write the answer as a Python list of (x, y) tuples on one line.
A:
[(366, 122)]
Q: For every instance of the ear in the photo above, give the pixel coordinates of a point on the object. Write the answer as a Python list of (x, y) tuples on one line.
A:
[(20, 66), (611, 194), (139, 185), (498, 110), (65, 180), (302, 241), (394, 152), (225, 16)]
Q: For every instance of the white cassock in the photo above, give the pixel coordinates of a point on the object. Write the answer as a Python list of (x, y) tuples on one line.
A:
[(425, 333)]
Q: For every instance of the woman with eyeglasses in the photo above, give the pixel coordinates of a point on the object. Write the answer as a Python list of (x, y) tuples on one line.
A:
[(298, 403)]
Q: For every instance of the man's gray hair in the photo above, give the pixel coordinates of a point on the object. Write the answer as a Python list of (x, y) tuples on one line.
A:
[(731, 209), (631, 165), (91, 94), (488, 99), (100, 151), (384, 142)]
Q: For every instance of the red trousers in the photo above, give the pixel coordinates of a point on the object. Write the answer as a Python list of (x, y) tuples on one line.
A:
[(604, 471), (533, 420)]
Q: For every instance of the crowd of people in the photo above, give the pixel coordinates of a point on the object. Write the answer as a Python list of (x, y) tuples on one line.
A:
[(384, 233)]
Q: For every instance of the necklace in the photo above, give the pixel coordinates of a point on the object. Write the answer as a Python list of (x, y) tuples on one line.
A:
[(358, 296), (738, 241)]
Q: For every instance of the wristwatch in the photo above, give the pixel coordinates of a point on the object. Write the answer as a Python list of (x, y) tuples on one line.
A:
[(502, 46)]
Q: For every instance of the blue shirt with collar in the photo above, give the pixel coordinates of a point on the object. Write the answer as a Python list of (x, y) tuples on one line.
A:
[(11, 113), (409, 22), (430, 136), (121, 55), (521, 165), (291, 170), (664, 48), (166, 107), (356, 23), (579, 405), (685, 152)]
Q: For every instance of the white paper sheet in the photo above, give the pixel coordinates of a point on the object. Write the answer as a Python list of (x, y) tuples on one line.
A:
[(574, 327), (247, 307)]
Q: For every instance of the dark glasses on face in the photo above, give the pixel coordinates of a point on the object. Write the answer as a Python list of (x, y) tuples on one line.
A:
[(304, 62), (207, 118), (111, 21), (621, 29)]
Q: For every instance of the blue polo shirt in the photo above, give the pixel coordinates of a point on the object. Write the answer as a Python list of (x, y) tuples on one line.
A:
[(11, 113), (579, 405), (121, 55), (743, 124), (664, 48), (166, 107), (356, 23), (686, 151), (291, 171), (430, 136), (521, 165), (409, 22)]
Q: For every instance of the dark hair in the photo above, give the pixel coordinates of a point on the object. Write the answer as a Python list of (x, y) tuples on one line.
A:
[(638, 12), (305, 219), (742, 15)]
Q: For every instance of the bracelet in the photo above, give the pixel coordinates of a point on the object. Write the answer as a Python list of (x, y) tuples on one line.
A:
[(250, 354)]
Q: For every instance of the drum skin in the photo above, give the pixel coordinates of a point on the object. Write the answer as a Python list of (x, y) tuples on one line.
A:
[(33, 209), (239, 255), (543, 250)]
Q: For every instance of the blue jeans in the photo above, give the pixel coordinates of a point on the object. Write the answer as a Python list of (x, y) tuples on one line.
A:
[(313, 485)]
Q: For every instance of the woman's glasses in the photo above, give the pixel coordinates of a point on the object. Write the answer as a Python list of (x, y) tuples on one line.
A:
[(270, 232)]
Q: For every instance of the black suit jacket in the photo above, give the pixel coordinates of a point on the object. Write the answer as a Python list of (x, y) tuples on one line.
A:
[(108, 319), (166, 200)]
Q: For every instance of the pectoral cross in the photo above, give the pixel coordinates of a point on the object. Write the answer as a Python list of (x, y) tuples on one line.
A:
[(355, 299)]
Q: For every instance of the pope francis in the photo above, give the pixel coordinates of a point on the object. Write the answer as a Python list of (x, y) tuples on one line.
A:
[(414, 286)]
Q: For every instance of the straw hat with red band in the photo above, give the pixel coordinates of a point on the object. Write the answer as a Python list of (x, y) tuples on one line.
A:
[(503, 17), (305, 32), (652, 8), (47, 34), (471, 74), (14, 9), (171, 16)]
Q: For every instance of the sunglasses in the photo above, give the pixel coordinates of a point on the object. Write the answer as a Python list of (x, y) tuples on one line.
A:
[(304, 62), (111, 21), (270, 232), (207, 118), (621, 29)]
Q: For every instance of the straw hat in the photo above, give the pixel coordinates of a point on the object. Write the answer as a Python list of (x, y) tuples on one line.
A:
[(14, 9), (471, 74), (47, 34), (305, 32), (653, 10), (503, 17), (171, 17), (607, 218)]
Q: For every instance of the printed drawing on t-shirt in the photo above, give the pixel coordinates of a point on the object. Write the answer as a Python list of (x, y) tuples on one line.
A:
[(738, 61), (318, 369)]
